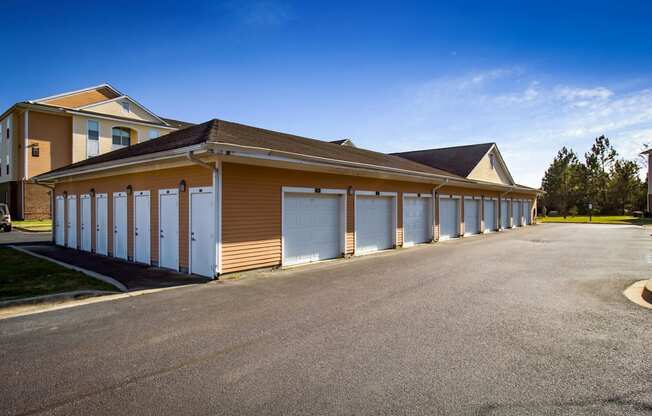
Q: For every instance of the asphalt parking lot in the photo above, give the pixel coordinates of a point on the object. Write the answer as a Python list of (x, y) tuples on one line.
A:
[(530, 321)]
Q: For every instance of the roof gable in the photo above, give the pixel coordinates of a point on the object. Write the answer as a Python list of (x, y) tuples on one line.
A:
[(115, 107), (492, 168), (460, 160), (86, 96)]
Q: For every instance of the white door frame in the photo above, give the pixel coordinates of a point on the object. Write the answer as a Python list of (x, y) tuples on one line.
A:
[(68, 224), (392, 195), (84, 197), (201, 190), (170, 191), (114, 196), (60, 228), (430, 216), (300, 190), (104, 196), (142, 193)]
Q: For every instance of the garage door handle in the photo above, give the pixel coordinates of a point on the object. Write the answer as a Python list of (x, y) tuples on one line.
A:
[(193, 239)]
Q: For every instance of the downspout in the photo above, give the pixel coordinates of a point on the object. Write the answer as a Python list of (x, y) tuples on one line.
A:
[(435, 204), (216, 203), (52, 205)]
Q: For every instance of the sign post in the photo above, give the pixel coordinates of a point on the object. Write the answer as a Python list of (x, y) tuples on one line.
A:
[(590, 212)]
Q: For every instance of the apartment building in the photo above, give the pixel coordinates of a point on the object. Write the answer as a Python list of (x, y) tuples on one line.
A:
[(37, 136)]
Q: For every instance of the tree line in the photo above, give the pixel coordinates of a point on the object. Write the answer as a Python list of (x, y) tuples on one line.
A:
[(609, 184)]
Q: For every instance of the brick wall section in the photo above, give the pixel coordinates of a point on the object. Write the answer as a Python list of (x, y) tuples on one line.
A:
[(37, 202)]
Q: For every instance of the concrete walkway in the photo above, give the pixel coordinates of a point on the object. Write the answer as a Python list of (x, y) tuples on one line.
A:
[(133, 276)]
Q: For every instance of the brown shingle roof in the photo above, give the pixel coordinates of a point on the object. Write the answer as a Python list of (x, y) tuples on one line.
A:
[(459, 160), (225, 132), (178, 124)]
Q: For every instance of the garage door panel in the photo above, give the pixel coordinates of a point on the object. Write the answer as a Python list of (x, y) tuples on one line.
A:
[(312, 227), (489, 215), (504, 214), (448, 218), (416, 220), (471, 216), (516, 213), (374, 222)]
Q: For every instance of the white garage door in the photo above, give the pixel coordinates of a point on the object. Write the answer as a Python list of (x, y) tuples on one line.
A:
[(489, 215), (471, 216), (504, 214), (374, 223), (312, 227), (417, 214), (516, 213), (449, 219), (527, 212)]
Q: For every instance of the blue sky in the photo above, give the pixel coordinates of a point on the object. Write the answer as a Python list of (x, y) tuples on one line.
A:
[(391, 76)]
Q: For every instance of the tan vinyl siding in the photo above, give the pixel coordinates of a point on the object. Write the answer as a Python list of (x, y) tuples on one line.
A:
[(82, 98), (251, 210), (152, 181)]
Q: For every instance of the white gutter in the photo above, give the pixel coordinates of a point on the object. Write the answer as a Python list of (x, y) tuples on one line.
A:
[(112, 164), (438, 187), (291, 156)]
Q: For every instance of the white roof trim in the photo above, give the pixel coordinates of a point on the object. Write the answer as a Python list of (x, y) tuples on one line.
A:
[(123, 97), (63, 94)]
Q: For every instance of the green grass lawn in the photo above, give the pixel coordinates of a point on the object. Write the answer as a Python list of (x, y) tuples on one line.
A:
[(33, 225), (599, 219), (22, 275)]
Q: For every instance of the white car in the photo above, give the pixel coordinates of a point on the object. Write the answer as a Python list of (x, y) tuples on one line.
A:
[(5, 218)]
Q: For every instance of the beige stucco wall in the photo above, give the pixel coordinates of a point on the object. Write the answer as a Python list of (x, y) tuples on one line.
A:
[(115, 108), (79, 132), (484, 172)]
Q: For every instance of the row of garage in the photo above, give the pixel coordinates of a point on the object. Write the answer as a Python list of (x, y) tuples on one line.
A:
[(313, 223)]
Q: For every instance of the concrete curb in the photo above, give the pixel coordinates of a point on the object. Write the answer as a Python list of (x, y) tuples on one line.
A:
[(89, 273), (26, 309), (57, 297), (27, 230)]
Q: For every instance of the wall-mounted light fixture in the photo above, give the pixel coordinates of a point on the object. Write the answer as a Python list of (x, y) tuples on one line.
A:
[(130, 189), (182, 186), (349, 190), (65, 194), (92, 192)]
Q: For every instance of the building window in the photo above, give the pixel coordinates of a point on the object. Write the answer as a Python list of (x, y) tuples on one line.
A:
[(125, 106), (121, 137), (93, 138), (492, 158), (153, 133)]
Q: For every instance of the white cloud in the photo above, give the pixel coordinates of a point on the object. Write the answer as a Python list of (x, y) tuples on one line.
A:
[(573, 94), (529, 119)]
